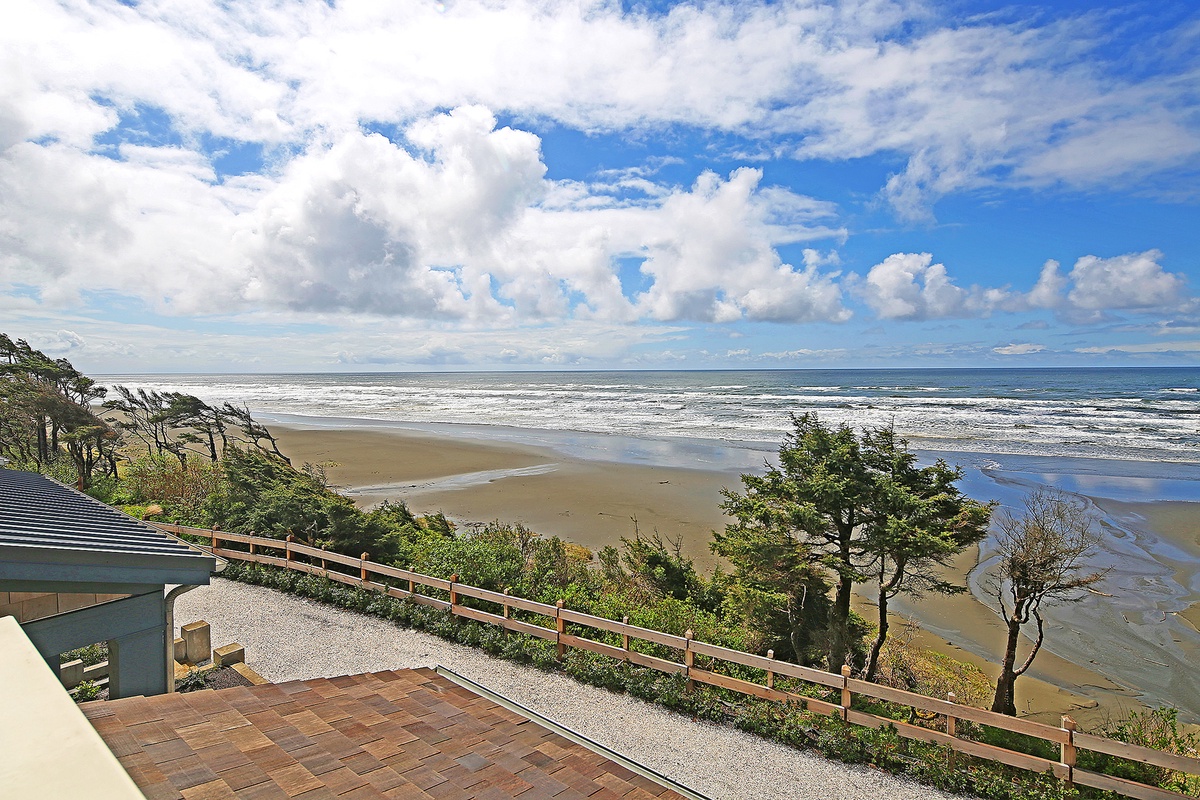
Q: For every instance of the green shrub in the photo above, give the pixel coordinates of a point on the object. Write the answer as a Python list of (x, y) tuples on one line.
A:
[(90, 656), (85, 691), (1157, 729)]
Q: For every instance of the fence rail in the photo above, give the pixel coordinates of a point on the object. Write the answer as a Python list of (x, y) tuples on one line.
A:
[(1069, 741)]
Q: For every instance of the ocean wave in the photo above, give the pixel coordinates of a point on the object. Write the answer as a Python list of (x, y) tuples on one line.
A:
[(1017, 412)]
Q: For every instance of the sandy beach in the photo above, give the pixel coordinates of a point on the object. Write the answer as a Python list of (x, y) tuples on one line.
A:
[(592, 503), (595, 502)]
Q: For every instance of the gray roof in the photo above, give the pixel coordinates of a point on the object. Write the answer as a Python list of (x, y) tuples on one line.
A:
[(51, 533)]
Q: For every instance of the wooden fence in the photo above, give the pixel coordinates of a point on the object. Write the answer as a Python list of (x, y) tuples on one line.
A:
[(843, 687)]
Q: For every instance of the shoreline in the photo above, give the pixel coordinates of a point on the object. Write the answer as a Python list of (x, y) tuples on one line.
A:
[(595, 502)]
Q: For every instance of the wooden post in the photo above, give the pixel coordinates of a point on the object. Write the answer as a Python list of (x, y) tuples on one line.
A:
[(215, 540), (847, 699), (560, 625), (288, 547), (951, 727), (1066, 750), (324, 566), (625, 637), (453, 594), (363, 567), (411, 590), (689, 658), (252, 545), (770, 673)]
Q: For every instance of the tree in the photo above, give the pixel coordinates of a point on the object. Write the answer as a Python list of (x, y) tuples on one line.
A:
[(1041, 562), (204, 424), (919, 521), (849, 506), (778, 588), (145, 414), (46, 414), (255, 432)]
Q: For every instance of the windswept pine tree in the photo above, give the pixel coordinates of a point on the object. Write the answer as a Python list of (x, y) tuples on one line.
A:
[(46, 416)]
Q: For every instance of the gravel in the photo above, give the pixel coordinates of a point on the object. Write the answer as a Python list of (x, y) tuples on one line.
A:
[(290, 638)]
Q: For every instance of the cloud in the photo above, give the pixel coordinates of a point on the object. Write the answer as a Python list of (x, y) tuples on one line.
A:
[(910, 286), (715, 262), (1144, 348), (1016, 349), (454, 220), (1095, 286), (1133, 281), (961, 104)]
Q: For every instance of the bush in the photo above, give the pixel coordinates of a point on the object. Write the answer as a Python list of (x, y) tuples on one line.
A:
[(1157, 729), (85, 691), (181, 490)]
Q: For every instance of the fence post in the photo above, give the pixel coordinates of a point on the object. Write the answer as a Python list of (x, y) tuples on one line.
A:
[(288, 548), (324, 566), (252, 533), (847, 699), (560, 625), (363, 567), (1066, 750), (453, 594), (771, 673), (215, 540), (506, 608), (951, 727), (625, 637), (689, 658)]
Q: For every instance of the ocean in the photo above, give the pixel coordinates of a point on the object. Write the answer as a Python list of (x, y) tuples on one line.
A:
[(1141, 414)]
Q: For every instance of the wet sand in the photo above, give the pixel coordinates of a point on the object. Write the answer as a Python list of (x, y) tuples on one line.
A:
[(594, 503)]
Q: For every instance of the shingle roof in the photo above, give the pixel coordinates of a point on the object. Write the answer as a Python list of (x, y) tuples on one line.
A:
[(45, 522), (405, 734)]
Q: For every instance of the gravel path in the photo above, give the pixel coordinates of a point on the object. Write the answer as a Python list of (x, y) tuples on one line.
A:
[(288, 638)]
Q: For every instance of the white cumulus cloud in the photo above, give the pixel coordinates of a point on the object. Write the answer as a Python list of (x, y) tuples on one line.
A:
[(910, 286)]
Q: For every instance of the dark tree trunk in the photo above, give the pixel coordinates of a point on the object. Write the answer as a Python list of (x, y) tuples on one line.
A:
[(880, 638), (1005, 701), (839, 624)]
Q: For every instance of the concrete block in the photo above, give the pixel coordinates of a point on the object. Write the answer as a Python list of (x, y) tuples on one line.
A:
[(180, 650), (96, 671), (229, 654), (71, 673), (242, 669), (197, 638)]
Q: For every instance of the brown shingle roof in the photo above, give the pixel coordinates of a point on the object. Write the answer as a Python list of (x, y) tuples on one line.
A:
[(406, 734)]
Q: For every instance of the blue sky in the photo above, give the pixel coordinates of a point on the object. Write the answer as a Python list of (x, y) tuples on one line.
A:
[(368, 185)]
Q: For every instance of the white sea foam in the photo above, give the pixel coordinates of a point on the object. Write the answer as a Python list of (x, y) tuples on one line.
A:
[(1128, 414)]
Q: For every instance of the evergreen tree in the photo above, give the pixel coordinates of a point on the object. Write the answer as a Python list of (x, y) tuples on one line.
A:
[(850, 507)]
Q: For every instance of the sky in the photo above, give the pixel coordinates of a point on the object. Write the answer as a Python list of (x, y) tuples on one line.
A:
[(382, 185)]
